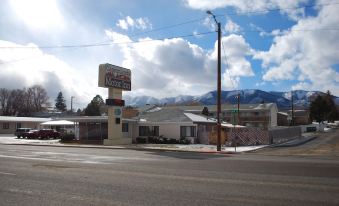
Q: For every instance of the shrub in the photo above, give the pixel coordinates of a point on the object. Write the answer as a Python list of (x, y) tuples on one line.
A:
[(141, 140), (172, 141), (183, 140), (67, 137)]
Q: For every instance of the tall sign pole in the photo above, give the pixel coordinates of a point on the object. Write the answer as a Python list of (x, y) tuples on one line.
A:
[(218, 83), (116, 79)]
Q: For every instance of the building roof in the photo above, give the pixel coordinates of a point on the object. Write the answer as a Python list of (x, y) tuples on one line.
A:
[(58, 122), (164, 114), (23, 119), (89, 119), (213, 108), (199, 119)]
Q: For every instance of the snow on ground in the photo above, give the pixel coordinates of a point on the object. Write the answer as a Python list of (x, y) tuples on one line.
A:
[(10, 139), (200, 147)]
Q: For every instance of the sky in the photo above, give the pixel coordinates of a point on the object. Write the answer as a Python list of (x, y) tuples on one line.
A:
[(169, 45)]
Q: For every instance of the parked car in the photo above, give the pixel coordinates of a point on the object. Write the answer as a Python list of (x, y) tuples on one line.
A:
[(32, 134), (20, 131), (48, 133)]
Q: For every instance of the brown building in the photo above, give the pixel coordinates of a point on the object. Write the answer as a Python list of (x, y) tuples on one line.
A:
[(300, 117)]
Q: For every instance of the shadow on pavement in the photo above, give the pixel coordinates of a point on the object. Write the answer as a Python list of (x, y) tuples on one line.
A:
[(188, 155)]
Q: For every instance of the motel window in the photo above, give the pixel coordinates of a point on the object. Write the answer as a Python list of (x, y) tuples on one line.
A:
[(18, 125), (124, 127), (5, 125), (148, 130), (187, 131)]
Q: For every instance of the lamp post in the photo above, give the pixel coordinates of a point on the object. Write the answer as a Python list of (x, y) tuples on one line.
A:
[(72, 97), (218, 83)]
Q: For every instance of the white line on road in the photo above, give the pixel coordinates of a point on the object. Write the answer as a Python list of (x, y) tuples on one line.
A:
[(7, 173)]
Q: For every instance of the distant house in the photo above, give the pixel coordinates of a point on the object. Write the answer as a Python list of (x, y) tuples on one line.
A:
[(250, 115)]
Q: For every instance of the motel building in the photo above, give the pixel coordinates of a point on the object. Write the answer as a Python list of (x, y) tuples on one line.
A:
[(173, 122)]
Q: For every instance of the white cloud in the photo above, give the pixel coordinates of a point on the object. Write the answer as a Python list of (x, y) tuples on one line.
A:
[(236, 50), (171, 67), (39, 14), (232, 27), (130, 23), (25, 67), (250, 5), (307, 52)]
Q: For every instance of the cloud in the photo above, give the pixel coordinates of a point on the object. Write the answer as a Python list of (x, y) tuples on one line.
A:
[(307, 52), (171, 67), (232, 27), (26, 67), (250, 6), (39, 14), (234, 52), (130, 23)]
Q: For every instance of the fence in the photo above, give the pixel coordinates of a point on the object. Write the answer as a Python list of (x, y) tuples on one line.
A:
[(247, 136), (283, 134)]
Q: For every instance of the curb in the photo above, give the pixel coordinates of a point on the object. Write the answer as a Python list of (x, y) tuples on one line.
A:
[(121, 148)]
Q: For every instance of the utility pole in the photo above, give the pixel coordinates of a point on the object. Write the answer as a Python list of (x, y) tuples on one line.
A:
[(218, 83), (72, 97), (238, 97), (292, 107)]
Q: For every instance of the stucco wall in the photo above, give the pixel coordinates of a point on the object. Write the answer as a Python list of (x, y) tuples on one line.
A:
[(168, 129)]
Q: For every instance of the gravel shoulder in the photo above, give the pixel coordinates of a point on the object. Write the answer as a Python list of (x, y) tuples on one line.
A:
[(325, 144)]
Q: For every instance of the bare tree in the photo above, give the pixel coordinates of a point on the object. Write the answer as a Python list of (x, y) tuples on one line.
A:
[(23, 102), (4, 96)]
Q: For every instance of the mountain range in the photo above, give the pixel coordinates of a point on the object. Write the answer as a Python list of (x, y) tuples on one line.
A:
[(301, 98)]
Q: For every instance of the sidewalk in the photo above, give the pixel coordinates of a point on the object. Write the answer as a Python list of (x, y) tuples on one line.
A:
[(12, 140)]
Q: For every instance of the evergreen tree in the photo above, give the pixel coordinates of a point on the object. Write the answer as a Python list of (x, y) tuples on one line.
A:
[(93, 108), (331, 109), (205, 111), (60, 103), (323, 108)]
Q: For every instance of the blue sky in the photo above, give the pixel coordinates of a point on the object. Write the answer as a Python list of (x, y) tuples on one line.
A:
[(288, 45)]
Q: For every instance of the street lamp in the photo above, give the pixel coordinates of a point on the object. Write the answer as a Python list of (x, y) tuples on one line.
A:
[(219, 82), (72, 97)]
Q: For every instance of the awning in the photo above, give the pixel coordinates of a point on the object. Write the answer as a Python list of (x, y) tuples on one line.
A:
[(58, 123)]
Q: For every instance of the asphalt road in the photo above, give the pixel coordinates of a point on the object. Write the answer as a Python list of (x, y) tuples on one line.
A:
[(41, 175)]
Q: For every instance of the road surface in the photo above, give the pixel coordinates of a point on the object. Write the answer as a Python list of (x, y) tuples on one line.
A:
[(43, 175)]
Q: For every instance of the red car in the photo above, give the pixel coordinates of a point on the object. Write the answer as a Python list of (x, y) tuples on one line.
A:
[(32, 134), (48, 133)]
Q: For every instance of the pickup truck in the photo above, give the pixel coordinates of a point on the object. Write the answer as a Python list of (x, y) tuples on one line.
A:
[(47, 134), (19, 132)]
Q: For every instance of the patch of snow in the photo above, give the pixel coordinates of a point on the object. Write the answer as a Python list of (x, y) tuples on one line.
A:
[(249, 92), (155, 109), (209, 95)]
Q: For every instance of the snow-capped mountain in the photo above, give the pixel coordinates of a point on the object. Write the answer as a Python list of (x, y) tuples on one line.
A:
[(301, 98)]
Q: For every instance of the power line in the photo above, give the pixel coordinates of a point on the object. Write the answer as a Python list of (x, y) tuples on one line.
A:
[(106, 43), (231, 14), (73, 47)]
